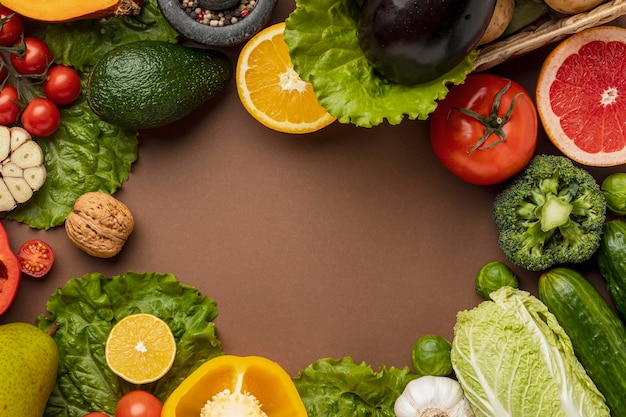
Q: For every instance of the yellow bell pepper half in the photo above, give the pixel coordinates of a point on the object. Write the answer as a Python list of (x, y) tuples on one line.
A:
[(228, 384)]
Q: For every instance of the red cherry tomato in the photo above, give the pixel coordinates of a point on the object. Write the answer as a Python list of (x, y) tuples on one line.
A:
[(96, 414), (62, 85), (12, 26), (459, 127), (9, 109), (36, 58), (41, 117), (138, 403), (35, 257)]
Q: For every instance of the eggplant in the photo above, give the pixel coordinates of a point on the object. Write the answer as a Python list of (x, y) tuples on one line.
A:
[(417, 41)]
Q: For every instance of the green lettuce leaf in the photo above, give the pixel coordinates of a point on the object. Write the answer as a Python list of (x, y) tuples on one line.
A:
[(340, 387), (321, 36), (86, 309), (86, 154), (512, 358)]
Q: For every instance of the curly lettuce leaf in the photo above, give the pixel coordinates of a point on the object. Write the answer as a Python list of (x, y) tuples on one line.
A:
[(86, 309), (85, 154), (340, 387), (321, 36), (512, 358)]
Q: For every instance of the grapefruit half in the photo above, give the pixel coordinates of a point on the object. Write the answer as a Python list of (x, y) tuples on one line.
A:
[(581, 96)]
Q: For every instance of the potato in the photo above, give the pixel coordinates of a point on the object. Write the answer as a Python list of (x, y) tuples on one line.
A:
[(572, 6), (502, 15)]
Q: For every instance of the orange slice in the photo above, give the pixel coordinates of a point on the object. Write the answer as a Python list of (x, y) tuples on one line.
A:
[(581, 96), (272, 91), (140, 348)]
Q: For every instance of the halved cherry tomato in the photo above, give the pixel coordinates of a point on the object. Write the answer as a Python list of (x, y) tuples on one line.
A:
[(62, 84), (35, 257), (41, 117), (36, 58), (138, 403), (12, 26), (9, 109), (485, 130)]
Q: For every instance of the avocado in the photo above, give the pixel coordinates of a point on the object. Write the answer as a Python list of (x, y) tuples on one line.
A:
[(147, 84)]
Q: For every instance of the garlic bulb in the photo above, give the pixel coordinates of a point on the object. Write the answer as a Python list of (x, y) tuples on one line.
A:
[(432, 396), (21, 167)]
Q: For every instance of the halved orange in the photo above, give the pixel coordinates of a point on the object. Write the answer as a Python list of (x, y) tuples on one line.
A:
[(581, 96), (272, 91), (140, 348)]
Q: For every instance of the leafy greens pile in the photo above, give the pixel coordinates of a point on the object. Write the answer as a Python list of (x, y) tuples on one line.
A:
[(321, 36), (86, 154), (512, 358), (87, 308)]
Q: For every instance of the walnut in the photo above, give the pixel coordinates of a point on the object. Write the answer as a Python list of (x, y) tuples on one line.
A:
[(99, 224)]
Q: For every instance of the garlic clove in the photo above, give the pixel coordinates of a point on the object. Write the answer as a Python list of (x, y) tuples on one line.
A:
[(5, 142), (29, 154), (11, 169), (7, 202), (18, 136), (35, 176), (19, 188)]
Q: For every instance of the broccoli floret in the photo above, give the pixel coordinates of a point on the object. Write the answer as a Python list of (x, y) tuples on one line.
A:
[(551, 213)]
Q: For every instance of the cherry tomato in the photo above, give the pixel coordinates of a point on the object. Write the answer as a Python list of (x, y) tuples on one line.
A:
[(62, 85), (9, 109), (138, 403), (96, 414), (41, 117), (36, 58), (12, 26), (35, 257), (485, 130)]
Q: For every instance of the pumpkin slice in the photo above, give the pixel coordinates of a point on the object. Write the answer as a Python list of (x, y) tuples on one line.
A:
[(53, 11)]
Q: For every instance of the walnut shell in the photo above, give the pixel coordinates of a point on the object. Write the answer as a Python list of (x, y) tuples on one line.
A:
[(99, 224)]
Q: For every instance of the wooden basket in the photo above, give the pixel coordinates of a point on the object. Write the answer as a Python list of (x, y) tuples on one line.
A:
[(551, 30)]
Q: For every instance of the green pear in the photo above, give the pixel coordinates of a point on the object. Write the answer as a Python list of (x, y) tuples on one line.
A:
[(29, 360)]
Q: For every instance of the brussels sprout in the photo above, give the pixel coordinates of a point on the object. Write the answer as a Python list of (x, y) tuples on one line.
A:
[(431, 356), (492, 276), (614, 190)]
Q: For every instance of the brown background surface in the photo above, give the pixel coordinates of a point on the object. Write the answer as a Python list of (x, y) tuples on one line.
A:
[(346, 242)]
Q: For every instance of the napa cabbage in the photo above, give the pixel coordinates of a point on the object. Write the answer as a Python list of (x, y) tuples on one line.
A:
[(512, 358)]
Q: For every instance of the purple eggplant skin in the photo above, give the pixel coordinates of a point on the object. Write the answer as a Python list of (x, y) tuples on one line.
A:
[(417, 41)]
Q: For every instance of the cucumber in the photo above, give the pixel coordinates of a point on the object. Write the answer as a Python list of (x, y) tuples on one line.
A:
[(597, 333), (612, 263)]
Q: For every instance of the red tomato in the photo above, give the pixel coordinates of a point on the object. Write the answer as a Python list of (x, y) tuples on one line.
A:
[(36, 58), (138, 403), (35, 257), (9, 109), (62, 85), (485, 130), (96, 414), (41, 117), (12, 26)]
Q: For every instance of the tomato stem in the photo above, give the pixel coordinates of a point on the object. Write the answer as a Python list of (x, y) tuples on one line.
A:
[(493, 122)]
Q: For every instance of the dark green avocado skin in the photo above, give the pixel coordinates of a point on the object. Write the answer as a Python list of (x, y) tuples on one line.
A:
[(148, 84)]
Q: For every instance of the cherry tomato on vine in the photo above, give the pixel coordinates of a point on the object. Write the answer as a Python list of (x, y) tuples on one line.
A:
[(41, 117), (4, 73), (36, 58), (35, 257), (12, 26), (485, 130), (138, 403), (62, 84), (9, 109)]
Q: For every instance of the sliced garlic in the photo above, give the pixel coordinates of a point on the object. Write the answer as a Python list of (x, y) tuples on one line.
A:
[(21, 167)]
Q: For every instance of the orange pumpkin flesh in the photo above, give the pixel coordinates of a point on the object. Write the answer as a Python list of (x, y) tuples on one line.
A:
[(262, 378), (54, 11)]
